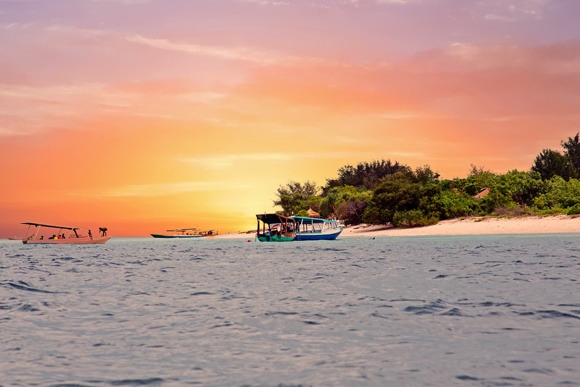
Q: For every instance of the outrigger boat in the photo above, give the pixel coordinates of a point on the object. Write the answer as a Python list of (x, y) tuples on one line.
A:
[(179, 233), (73, 238), (295, 228)]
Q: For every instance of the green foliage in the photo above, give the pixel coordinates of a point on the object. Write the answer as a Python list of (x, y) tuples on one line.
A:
[(364, 174), (302, 213), (574, 210), (550, 163), (457, 205), (401, 193), (413, 218), (383, 191), (558, 193), (347, 203), (572, 152), (296, 196)]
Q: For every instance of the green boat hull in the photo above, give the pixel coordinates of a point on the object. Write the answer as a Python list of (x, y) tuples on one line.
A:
[(275, 238)]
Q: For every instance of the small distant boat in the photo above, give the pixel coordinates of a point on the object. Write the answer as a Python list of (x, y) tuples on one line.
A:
[(74, 238), (14, 239), (180, 233), (209, 234), (295, 228)]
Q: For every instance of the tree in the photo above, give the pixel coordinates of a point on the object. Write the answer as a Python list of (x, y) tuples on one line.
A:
[(365, 174), (295, 196), (572, 152), (347, 203), (400, 193), (550, 163)]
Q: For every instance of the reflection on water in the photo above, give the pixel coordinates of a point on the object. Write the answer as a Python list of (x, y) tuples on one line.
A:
[(397, 311)]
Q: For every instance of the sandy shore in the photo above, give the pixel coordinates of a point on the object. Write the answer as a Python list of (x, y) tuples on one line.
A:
[(470, 226)]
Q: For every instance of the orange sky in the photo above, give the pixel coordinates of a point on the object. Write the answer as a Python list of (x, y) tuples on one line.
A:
[(110, 120)]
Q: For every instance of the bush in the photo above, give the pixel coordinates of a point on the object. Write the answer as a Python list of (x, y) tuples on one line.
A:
[(574, 210), (303, 213), (514, 211), (413, 218)]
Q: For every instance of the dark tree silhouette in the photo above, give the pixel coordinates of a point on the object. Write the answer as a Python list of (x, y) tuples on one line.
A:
[(550, 163), (365, 174), (572, 152)]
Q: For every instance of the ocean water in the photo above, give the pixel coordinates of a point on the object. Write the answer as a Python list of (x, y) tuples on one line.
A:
[(393, 311)]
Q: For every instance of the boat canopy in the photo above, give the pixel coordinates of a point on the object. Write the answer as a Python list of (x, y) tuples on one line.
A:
[(274, 218), (182, 230), (303, 219), (47, 225)]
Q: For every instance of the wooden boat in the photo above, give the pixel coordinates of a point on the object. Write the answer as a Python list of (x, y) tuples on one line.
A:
[(74, 238), (209, 234), (295, 228), (316, 229), (280, 228), (179, 233)]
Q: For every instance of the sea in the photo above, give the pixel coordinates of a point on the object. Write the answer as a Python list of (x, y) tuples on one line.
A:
[(494, 310)]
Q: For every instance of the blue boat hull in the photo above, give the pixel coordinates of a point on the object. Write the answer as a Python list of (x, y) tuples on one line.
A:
[(318, 236)]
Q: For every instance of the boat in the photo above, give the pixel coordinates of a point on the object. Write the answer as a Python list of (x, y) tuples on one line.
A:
[(280, 228), (181, 233), (209, 234), (75, 236), (316, 229), (295, 228)]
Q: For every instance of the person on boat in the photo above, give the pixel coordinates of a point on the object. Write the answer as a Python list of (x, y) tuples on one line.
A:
[(53, 236), (90, 234), (60, 236), (42, 237)]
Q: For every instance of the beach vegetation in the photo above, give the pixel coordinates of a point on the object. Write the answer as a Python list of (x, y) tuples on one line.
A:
[(296, 196), (572, 152), (574, 210), (364, 174), (385, 191)]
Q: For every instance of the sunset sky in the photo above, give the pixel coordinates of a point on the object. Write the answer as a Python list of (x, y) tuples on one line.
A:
[(146, 115)]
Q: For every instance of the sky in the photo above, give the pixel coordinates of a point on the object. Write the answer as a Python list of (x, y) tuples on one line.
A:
[(147, 115)]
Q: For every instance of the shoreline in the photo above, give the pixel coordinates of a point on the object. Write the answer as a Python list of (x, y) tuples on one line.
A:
[(557, 224)]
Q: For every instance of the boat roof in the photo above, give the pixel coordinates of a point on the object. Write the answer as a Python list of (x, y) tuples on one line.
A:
[(182, 229), (312, 220), (273, 218), (50, 226)]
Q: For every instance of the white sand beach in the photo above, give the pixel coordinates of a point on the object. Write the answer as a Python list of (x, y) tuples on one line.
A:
[(468, 226)]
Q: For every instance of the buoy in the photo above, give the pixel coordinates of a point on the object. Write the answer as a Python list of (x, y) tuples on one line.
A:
[(249, 240)]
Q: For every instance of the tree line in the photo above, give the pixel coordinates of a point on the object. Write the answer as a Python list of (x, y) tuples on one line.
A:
[(383, 191)]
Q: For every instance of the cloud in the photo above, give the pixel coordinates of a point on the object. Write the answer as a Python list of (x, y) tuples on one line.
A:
[(227, 160), (495, 17), (154, 190), (398, 1), (244, 54), (265, 2), (123, 1), (238, 53)]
